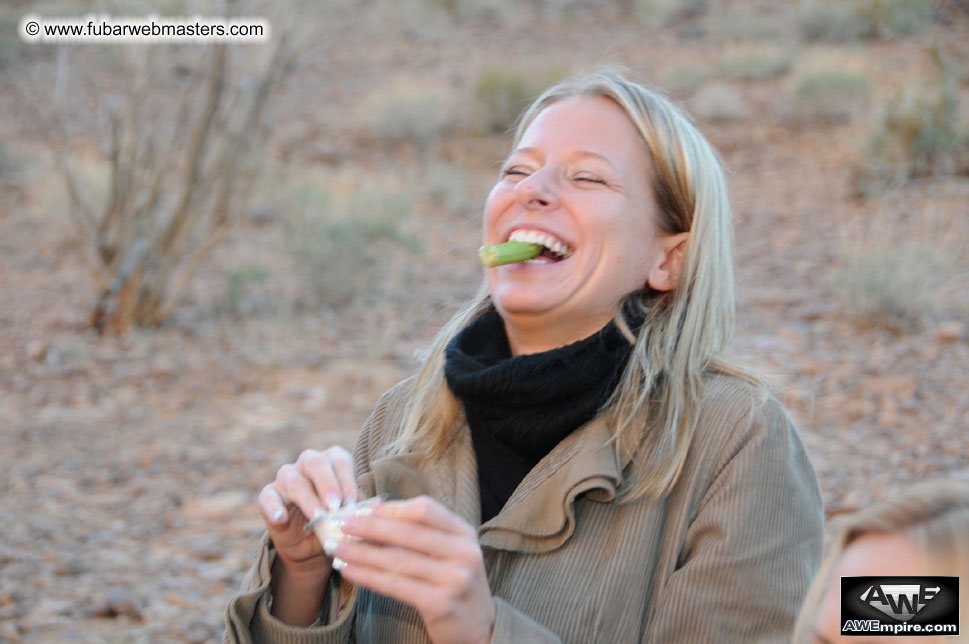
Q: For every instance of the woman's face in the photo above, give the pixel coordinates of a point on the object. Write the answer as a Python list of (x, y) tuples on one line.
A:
[(877, 555), (579, 183)]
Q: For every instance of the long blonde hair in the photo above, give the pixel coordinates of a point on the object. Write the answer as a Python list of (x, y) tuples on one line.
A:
[(685, 330), (934, 515)]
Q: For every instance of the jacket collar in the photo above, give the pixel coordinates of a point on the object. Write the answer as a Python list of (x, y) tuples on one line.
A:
[(539, 516)]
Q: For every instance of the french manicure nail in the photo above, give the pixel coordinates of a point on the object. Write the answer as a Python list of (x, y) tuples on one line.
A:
[(339, 564), (333, 501), (278, 516), (329, 546)]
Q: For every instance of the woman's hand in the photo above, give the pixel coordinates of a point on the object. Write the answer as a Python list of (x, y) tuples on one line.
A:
[(316, 481), (424, 555)]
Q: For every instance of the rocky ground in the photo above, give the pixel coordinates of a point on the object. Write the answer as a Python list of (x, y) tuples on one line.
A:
[(129, 465)]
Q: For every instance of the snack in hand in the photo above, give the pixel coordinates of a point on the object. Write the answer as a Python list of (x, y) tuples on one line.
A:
[(508, 253), (328, 525)]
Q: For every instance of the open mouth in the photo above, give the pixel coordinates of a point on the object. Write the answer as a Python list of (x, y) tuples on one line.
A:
[(554, 249)]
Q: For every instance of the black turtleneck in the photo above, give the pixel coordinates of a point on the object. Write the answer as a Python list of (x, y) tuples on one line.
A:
[(518, 408)]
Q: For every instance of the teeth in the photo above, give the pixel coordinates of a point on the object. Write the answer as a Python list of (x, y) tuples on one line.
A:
[(538, 237)]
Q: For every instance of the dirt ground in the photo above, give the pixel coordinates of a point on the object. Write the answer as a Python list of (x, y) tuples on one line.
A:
[(129, 466)]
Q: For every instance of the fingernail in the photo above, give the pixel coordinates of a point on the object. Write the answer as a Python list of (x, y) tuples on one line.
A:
[(278, 516), (333, 501), (329, 546), (339, 564)]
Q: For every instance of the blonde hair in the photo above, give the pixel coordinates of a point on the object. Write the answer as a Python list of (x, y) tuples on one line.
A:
[(685, 330), (934, 515)]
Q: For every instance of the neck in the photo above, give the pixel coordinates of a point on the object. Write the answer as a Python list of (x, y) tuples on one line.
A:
[(535, 334)]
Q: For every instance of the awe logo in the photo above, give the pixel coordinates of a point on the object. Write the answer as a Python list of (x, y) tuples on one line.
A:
[(900, 601)]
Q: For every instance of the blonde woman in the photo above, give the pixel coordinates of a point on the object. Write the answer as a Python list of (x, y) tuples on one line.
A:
[(575, 461), (922, 532)]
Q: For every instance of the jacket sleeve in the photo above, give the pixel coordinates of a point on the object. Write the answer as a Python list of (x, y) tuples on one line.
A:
[(249, 621), (248, 617), (513, 627), (754, 543)]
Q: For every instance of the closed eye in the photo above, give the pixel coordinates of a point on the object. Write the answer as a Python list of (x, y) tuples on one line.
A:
[(514, 171), (589, 179)]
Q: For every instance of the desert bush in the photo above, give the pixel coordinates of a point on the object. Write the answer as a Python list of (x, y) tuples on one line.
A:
[(660, 13), (686, 79), (408, 111), (344, 246), (451, 186), (830, 94), (502, 94), (895, 17), (755, 65), (157, 148), (748, 25), (240, 283), (832, 22), (917, 134), (900, 261), (846, 21), (894, 286)]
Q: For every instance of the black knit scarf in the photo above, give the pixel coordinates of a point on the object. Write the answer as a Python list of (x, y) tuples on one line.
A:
[(519, 408)]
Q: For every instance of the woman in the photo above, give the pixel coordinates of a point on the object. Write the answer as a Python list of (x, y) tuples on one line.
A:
[(575, 461), (923, 532)]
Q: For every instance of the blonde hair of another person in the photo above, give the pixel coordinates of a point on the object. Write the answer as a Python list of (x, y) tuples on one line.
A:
[(935, 516), (685, 331)]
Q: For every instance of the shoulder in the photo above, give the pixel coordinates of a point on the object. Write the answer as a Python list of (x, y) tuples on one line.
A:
[(733, 407), (386, 420), (739, 420)]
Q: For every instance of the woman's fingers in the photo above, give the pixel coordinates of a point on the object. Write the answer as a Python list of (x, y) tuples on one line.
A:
[(425, 510), (332, 475), (424, 555), (395, 562), (272, 506)]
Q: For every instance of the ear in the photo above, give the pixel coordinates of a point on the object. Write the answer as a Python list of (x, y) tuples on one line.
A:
[(666, 273)]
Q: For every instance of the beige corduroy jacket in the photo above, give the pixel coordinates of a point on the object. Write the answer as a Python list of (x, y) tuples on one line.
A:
[(726, 557)]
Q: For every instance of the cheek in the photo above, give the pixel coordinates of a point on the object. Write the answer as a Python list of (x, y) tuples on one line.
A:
[(500, 197)]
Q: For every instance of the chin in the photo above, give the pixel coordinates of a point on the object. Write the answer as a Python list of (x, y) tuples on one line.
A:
[(517, 302)]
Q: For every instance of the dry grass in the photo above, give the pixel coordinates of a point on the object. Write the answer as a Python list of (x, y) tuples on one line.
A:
[(408, 110), (898, 267), (830, 95), (344, 245), (761, 64), (918, 133)]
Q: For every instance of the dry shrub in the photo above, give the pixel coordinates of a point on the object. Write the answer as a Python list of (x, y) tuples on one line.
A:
[(661, 13), (917, 134), (684, 80), (897, 269), (157, 147), (345, 246), (830, 95), (408, 110), (755, 65), (849, 20), (502, 94), (450, 186)]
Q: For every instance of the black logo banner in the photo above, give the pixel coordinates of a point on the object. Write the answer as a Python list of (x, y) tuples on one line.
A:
[(900, 606)]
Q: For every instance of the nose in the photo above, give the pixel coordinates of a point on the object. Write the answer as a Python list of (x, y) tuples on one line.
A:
[(537, 191)]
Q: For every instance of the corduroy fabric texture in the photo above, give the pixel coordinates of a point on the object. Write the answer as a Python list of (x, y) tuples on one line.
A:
[(725, 557)]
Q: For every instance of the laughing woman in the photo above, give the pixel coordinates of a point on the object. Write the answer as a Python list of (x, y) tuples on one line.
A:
[(575, 461)]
